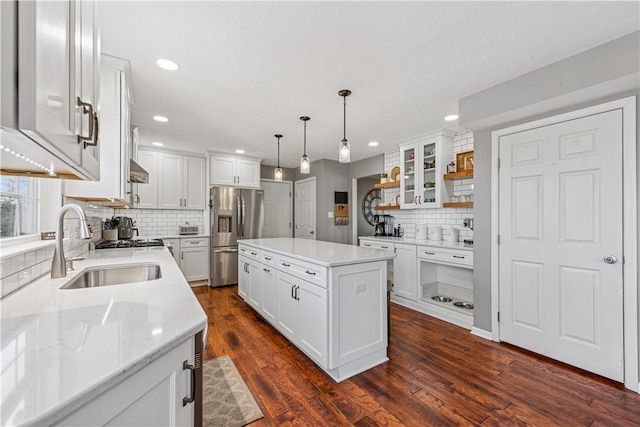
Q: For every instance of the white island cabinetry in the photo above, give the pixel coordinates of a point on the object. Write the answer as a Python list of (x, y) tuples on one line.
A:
[(328, 299)]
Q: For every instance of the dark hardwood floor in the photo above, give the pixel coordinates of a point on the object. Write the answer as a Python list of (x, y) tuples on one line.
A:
[(437, 375)]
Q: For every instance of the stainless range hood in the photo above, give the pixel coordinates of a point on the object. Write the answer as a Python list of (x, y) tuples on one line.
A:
[(137, 174)]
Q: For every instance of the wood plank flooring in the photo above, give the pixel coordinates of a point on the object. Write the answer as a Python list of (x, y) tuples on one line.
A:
[(438, 375)]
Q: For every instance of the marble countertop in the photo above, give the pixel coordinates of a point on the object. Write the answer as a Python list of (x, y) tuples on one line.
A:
[(63, 347), (432, 243), (326, 254)]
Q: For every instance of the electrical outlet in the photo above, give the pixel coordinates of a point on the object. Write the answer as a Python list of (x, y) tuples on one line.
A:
[(330, 214), (467, 223)]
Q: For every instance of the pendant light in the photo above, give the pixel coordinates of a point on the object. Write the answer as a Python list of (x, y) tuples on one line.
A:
[(305, 167), (278, 174), (344, 153)]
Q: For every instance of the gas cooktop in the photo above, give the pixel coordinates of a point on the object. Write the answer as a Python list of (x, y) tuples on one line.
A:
[(133, 243)]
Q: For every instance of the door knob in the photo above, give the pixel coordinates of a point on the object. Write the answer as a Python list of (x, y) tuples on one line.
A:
[(610, 259)]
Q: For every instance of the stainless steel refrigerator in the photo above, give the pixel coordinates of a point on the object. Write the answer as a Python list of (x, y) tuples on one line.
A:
[(236, 213)]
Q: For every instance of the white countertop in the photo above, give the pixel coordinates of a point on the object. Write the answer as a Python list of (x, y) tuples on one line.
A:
[(432, 243), (63, 347), (326, 254)]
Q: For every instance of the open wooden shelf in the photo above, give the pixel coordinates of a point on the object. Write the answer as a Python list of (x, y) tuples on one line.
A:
[(457, 204), (388, 208), (458, 175), (387, 184)]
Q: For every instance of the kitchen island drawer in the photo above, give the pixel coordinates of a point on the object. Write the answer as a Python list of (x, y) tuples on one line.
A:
[(250, 252), (446, 256), (310, 272)]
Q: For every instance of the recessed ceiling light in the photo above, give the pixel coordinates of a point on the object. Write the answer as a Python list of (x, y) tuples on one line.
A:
[(373, 144), (240, 151), (160, 119), (157, 144), (451, 117), (167, 64)]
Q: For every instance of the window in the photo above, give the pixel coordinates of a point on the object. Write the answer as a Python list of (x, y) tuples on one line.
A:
[(18, 206)]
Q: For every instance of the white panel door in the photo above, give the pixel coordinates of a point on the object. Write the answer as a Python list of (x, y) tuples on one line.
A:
[(306, 208), (193, 185), (560, 217), (169, 181), (277, 209)]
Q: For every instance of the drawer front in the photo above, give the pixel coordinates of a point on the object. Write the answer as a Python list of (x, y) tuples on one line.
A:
[(306, 271), (249, 252), (195, 242), (377, 245), (447, 256)]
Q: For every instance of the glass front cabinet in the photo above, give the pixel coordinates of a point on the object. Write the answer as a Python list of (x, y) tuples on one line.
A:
[(423, 162)]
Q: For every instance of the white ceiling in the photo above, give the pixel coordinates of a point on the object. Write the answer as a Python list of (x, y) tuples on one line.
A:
[(251, 69)]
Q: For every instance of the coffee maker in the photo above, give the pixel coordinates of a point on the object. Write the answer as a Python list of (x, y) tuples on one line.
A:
[(378, 229), (383, 226)]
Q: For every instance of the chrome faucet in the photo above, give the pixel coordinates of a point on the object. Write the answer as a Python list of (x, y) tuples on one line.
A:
[(59, 264)]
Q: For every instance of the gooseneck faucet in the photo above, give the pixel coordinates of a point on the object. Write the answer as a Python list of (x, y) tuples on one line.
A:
[(59, 264)]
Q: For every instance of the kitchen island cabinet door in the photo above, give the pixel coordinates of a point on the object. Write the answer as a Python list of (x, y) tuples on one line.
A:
[(287, 306), (255, 286), (313, 321), (152, 396), (269, 308), (243, 277)]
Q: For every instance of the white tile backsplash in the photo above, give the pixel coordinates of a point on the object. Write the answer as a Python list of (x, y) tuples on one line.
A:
[(443, 217), (162, 222)]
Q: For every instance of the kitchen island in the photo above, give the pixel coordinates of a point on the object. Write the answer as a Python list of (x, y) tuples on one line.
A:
[(328, 299), (105, 354)]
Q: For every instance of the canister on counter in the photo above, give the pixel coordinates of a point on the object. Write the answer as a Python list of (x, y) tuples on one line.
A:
[(435, 233)]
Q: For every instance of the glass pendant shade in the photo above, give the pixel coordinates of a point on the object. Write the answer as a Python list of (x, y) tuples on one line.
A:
[(305, 168), (344, 154), (278, 171), (305, 163)]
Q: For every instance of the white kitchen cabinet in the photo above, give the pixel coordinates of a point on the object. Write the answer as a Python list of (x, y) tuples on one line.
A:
[(147, 194), (115, 140), (243, 277), (422, 166), (53, 95), (405, 283), (194, 258), (175, 247), (269, 305), (235, 171), (153, 396), (181, 181), (255, 285)]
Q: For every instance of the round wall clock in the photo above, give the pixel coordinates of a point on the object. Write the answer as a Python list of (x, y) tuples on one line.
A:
[(369, 203)]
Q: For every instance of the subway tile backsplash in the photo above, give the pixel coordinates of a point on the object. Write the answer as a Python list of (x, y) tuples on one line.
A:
[(444, 217), (162, 222)]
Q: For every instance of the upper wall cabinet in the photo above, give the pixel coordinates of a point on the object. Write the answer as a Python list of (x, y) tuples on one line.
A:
[(235, 171), (115, 139), (176, 181), (422, 165), (55, 92)]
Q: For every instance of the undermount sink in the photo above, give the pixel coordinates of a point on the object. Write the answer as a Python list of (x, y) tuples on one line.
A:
[(114, 275)]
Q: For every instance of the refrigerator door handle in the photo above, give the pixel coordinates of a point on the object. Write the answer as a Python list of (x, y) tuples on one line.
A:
[(243, 212), (238, 215), (225, 251)]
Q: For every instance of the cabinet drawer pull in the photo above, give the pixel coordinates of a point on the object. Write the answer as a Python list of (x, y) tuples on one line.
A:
[(267, 270), (367, 244), (459, 256), (197, 242), (429, 253), (268, 258), (254, 253), (286, 265), (384, 247), (310, 272)]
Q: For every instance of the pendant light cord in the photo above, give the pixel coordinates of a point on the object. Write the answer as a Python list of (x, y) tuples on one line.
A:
[(344, 122), (278, 152), (305, 138)]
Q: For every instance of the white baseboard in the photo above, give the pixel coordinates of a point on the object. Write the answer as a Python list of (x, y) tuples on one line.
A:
[(482, 333)]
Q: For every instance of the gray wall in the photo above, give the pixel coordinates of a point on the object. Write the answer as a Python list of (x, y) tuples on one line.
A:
[(544, 82), (364, 186)]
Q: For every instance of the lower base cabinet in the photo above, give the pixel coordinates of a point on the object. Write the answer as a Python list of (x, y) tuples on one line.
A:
[(152, 396), (192, 255), (301, 310)]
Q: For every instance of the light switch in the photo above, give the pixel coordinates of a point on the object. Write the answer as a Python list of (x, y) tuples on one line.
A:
[(330, 214)]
